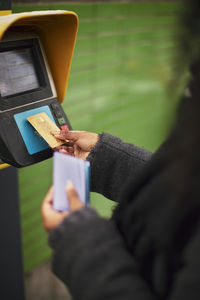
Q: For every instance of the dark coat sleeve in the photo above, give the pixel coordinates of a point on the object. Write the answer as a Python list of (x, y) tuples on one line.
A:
[(112, 163), (90, 257), (186, 284)]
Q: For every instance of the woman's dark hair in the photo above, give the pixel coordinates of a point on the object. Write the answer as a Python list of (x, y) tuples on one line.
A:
[(178, 161), (185, 138), (188, 36)]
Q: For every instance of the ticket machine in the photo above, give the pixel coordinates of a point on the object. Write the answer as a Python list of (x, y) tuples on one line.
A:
[(35, 57)]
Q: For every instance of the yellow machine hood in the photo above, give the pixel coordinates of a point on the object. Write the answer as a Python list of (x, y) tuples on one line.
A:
[(57, 32)]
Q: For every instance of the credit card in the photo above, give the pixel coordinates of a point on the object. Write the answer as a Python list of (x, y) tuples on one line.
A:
[(45, 126)]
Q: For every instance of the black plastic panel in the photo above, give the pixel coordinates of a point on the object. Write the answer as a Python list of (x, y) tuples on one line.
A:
[(12, 146)]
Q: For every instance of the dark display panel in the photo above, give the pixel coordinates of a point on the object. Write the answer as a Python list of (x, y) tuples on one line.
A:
[(24, 78), (5, 5), (17, 72)]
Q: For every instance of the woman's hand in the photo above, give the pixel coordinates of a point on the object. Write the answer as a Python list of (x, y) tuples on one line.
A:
[(77, 143), (52, 218)]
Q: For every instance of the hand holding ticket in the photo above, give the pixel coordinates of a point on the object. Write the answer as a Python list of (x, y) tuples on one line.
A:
[(68, 168)]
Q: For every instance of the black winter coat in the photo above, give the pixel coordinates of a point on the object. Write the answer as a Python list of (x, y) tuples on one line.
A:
[(149, 249)]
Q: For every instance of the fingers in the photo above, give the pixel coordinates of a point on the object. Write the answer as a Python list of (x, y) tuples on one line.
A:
[(67, 135), (81, 141), (73, 197), (65, 149), (53, 219), (47, 202), (50, 217), (67, 144)]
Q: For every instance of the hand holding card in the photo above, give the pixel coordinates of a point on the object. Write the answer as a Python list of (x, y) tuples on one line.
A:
[(68, 168), (45, 126)]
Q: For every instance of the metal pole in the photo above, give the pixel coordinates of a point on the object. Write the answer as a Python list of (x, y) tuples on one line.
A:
[(11, 263)]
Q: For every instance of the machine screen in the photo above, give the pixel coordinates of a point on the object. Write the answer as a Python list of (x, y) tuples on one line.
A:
[(17, 72)]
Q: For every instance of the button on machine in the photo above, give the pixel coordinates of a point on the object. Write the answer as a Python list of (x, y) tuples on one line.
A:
[(64, 127)]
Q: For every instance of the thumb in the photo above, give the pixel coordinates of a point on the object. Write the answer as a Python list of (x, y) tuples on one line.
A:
[(73, 197)]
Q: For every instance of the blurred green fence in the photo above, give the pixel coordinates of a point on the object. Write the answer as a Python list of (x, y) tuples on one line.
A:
[(118, 81)]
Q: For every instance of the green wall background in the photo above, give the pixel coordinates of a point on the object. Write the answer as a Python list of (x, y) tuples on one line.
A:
[(118, 81)]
